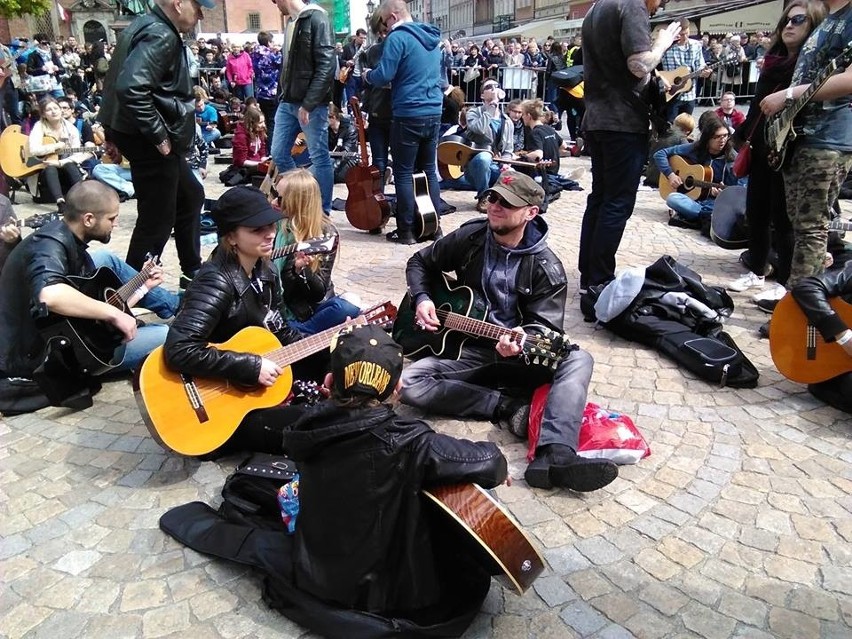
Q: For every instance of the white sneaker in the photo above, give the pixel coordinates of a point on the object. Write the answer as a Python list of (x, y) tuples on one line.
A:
[(775, 293), (749, 280)]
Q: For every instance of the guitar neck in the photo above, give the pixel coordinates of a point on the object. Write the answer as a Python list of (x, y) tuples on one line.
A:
[(532, 165), (790, 112), (283, 251), (477, 328), (839, 225), (124, 292), (362, 138), (309, 345)]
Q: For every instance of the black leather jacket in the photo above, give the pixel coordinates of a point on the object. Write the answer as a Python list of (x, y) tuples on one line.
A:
[(345, 140), (540, 284), (41, 259), (812, 294), (362, 539), (308, 75), (304, 292), (148, 89), (220, 302)]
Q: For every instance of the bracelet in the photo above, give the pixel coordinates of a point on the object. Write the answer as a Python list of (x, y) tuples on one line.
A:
[(844, 337)]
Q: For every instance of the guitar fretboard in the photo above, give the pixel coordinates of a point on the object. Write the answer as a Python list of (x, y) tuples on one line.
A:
[(480, 328), (120, 297)]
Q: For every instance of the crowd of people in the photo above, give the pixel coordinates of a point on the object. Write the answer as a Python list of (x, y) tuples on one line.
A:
[(415, 90)]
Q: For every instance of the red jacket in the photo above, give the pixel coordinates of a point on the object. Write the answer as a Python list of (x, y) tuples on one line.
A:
[(244, 149), (736, 117)]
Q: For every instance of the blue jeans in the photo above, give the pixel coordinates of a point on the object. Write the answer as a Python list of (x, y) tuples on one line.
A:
[(480, 174), (617, 161), (352, 87), (287, 126), (414, 143), (115, 176), (210, 135), (688, 208), (158, 300), (331, 312), (452, 387), (243, 91)]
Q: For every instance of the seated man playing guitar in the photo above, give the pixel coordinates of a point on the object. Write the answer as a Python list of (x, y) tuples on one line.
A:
[(34, 288), (505, 260), (813, 295), (235, 288), (714, 151)]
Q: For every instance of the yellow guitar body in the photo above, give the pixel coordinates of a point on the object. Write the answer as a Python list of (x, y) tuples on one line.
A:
[(195, 416), (13, 153)]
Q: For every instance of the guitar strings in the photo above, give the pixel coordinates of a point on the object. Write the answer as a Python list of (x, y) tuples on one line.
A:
[(462, 322)]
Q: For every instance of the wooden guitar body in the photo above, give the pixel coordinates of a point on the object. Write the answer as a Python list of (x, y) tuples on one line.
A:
[(13, 153), (697, 179), (366, 206), (798, 350), (196, 415), (498, 535), (453, 150), (680, 80)]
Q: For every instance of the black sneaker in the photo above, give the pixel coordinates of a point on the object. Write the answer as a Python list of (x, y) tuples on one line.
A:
[(767, 306), (186, 279), (401, 238), (763, 331), (514, 416)]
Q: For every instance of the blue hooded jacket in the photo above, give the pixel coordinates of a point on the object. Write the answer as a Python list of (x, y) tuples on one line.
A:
[(411, 64)]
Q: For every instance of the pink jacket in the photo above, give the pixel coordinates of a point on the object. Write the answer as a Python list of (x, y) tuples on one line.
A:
[(238, 69)]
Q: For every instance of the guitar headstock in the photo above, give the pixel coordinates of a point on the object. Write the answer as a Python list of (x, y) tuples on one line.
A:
[(382, 315), (318, 245), (307, 392), (546, 348)]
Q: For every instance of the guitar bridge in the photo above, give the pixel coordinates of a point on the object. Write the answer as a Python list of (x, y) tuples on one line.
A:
[(194, 398)]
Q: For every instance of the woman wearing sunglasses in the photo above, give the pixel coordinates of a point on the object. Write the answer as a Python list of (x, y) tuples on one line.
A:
[(765, 202)]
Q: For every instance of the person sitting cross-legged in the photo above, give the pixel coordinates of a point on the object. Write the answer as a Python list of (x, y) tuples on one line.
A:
[(712, 149), (506, 261)]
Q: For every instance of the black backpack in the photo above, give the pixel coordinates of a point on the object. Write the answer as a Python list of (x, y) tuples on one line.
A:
[(250, 493)]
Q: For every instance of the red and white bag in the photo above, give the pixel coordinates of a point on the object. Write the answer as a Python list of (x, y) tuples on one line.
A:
[(604, 434)]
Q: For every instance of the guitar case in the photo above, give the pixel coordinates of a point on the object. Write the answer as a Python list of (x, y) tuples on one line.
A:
[(728, 225)]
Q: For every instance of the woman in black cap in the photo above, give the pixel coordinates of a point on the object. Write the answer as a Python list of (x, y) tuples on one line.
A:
[(238, 287)]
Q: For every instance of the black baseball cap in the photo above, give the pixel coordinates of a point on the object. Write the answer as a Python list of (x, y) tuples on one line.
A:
[(365, 361), (243, 206)]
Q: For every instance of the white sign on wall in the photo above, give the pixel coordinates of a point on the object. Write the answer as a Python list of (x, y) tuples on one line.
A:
[(762, 17)]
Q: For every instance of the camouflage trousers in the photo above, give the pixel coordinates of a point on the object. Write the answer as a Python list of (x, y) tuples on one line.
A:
[(812, 179)]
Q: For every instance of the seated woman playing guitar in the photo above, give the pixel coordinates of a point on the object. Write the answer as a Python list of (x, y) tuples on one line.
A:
[(713, 150), (236, 288), (51, 136), (309, 303), (249, 143)]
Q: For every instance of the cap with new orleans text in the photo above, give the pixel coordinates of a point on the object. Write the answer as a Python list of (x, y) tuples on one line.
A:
[(365, 361), (518, 189)]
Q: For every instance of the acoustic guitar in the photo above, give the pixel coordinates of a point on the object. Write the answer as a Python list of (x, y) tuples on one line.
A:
[(454, 152), (779, 130), (461, 311), (500, 539), (97, 346), (15, 159), (798, 350), (425, 215), (366, 206), (196, 415), (697, 179), (681, 78)]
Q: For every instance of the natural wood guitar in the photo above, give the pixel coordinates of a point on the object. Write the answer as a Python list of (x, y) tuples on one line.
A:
[(681, 78), (196, 415), (797, 348), (461, 311), (15, 159), (454, 156), (697, 179), (499, 537)]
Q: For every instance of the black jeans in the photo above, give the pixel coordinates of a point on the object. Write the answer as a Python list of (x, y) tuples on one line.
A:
[(617, 161), (766, 209), (55, 181), (168, 196)]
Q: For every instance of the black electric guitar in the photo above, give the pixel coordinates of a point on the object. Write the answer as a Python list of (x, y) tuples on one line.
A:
[(780, 131), (425, 215), (97, 346), (461, 311)]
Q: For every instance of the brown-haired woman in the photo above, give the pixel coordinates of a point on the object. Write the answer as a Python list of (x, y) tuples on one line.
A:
[(766, 205), (249, 143)]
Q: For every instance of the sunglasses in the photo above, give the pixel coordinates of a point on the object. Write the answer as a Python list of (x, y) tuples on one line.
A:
[(493, 198), (797, 20), (723, 136)]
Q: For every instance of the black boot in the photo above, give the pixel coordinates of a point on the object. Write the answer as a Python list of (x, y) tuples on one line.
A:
[(558, 466)]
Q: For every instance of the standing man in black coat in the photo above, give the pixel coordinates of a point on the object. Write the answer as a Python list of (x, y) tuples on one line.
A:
[(149, 114)]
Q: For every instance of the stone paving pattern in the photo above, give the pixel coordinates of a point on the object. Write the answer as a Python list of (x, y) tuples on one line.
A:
[(738, 525)]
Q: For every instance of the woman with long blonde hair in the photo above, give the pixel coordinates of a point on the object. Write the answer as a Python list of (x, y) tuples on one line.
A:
[(310, 304)]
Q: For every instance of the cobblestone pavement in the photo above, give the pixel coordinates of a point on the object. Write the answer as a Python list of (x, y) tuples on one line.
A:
[(738, 525)]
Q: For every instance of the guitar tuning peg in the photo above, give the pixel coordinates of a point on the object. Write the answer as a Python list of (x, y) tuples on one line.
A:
[(536, 360)]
